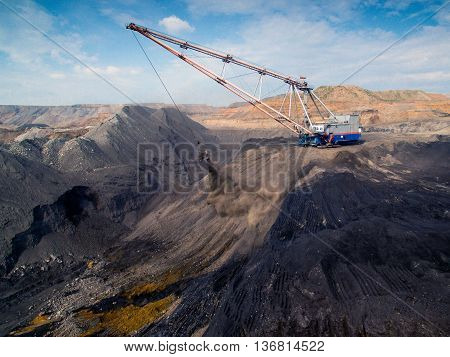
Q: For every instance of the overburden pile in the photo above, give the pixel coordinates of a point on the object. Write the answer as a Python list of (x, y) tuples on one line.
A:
[(347, 241)]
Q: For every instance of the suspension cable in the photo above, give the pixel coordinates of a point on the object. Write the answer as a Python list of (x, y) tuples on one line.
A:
[(157, 74), (242, 75)]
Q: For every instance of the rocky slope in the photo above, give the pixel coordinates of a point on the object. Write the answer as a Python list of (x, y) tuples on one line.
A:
[(78, 115), (60, 116), (38, 170), (275, 239), (308, 252)]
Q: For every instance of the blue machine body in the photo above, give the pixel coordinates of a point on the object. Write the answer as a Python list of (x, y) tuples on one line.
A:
[(346, 138), (311, 140), (339, 130)]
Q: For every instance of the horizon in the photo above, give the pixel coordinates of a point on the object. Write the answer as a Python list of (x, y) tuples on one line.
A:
[(338, 38), (168, 103)]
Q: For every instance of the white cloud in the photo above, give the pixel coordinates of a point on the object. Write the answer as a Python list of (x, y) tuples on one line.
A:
[(226, 7), (297, 43), (175, 25), (428, 76), (444, 16), (57, 75), (31, 48), (308, 40), (35, 71), (332, 10), (108, 70), (122, 18)]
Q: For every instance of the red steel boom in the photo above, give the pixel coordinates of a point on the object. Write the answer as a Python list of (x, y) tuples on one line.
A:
[(294, 85)]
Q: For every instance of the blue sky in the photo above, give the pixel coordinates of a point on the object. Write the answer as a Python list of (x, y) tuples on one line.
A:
[(323, 40)]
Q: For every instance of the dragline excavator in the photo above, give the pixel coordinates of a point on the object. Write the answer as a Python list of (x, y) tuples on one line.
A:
[(322, 128)]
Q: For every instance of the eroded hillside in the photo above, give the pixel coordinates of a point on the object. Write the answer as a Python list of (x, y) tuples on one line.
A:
[(376, 108)]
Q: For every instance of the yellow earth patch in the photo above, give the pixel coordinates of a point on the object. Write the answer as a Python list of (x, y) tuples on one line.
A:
[(39, 320), (127, 319)]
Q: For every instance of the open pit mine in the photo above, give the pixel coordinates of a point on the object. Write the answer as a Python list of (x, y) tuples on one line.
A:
[(318, 212), (258, 237)]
